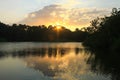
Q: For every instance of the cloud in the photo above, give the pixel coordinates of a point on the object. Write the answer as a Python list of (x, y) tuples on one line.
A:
[(70, 18), (70, 3)]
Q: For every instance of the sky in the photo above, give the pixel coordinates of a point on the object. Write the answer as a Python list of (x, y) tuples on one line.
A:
[(69, 13)]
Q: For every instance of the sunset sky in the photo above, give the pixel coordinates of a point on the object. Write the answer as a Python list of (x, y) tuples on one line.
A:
[(69, 13)]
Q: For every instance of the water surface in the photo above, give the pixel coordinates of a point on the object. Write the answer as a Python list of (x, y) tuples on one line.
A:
[(47, 61)]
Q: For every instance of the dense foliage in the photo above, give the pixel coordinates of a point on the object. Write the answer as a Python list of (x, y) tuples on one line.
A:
[(105, 32), (39, 33)]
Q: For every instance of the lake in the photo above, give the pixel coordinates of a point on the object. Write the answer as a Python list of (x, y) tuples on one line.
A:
[(49, 61)]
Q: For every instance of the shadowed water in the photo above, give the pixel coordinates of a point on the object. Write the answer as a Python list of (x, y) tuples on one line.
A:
[(49, 61)]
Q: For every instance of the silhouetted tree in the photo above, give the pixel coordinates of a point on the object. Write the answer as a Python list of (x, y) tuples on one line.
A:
[(107, 33)]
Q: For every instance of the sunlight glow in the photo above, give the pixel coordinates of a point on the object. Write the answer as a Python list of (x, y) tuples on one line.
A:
[(58, 27)]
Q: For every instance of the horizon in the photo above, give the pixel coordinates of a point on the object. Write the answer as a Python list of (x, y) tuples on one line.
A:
[(70, 13)]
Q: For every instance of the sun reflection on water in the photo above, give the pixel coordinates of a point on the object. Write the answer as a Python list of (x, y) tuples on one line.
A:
[(48, 61), (71, 66)]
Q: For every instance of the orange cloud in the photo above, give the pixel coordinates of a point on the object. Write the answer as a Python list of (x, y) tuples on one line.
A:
[(70, 18)]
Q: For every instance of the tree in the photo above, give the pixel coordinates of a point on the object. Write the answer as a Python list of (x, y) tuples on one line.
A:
[(106, 35)]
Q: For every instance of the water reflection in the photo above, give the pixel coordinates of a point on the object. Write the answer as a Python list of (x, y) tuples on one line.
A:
[(105, 62), (52, 61), (38, 49), (51, 52)]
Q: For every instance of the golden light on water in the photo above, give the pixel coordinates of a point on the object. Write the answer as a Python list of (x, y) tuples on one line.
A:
[(70, 64)]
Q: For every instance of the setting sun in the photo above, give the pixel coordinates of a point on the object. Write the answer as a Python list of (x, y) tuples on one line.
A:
[(58, 27)]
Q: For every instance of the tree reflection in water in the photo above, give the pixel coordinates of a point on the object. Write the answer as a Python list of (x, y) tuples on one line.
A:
[(64, 67), (105, 63), (62, 63)]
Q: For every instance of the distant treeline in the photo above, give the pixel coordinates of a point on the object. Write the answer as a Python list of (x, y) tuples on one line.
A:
[(22, 33), (105, 32)]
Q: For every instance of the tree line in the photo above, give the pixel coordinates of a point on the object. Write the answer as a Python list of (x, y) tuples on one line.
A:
[(42, 33)]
